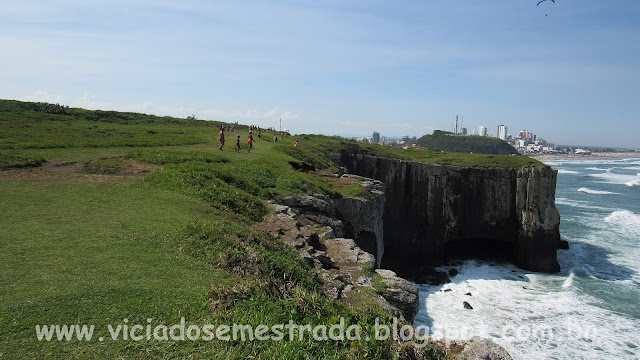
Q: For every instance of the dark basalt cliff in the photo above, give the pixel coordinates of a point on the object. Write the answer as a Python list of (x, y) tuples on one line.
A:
[(433, 212)]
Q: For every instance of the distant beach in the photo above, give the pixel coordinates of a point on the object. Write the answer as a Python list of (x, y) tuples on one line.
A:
[(593, 156)]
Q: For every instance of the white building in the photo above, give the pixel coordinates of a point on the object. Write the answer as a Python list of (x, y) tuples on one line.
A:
[(482, 131), (502, 132)]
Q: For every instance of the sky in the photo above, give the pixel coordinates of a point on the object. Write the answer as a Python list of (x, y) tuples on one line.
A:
[(567, 71)]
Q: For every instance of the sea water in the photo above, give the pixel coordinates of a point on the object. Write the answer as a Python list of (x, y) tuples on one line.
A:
[(590, 309)]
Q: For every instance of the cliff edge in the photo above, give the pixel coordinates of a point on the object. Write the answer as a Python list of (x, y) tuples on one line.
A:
[(436, 212)]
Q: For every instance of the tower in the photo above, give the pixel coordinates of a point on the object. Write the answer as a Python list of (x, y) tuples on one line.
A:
[(502, 132)]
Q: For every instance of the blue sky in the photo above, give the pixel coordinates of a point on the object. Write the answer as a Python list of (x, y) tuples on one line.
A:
[(569, 71)]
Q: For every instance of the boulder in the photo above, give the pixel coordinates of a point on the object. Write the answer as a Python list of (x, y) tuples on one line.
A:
[(478, 348), (316, 202), (431, 276), (400, 293), (345, 253)]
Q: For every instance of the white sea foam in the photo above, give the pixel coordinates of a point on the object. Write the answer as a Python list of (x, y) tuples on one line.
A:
[(569, 281), (596, 169), (596, 192), (592, 161), (580, 204), (620, 179), (589, 307), (624, 221), (633, 182), (565, 171), (533, 316)]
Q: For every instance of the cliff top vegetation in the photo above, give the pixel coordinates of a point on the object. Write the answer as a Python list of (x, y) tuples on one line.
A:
[(447, 141), (110, 215)]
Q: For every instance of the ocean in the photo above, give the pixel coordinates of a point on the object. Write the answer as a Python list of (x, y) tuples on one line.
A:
[(590, 309)]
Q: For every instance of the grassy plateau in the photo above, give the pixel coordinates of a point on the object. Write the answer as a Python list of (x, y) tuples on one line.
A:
[(118, 218)]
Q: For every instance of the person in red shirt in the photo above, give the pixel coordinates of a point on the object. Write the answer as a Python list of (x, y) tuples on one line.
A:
[(250, 141)]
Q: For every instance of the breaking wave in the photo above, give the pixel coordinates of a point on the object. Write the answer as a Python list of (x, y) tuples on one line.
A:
[(620, 179), (625, 221), (596, 192)]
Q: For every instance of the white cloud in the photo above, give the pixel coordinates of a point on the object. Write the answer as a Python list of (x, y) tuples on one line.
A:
[(44, 96), (289, 116)]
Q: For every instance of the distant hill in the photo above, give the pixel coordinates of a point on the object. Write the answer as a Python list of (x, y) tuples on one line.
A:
[(446, 141)]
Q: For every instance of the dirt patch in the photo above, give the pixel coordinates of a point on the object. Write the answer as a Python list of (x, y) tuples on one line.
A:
[(30, 174), (115, 166), (135, 168), (60, 166), (75, 171)]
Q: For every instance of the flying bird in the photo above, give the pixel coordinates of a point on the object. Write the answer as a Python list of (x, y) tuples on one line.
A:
[(553, 1)]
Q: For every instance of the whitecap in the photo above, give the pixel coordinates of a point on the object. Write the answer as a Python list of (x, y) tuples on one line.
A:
[(633, 182), (541, 317), (624, 221), (596, 192), (569, 281), (580, 204), (564, 171), (596, 169), (619, 179)]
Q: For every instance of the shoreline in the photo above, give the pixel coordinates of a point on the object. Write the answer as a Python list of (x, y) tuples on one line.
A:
[(593, 156)]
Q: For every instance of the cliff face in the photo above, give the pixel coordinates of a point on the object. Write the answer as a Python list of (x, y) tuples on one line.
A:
[(433, 212), (363, 218)]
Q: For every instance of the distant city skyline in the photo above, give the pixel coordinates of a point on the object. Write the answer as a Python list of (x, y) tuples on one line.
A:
[(569, 70)]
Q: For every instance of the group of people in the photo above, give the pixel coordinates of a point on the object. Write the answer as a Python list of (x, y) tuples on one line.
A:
[(228, 127), (249, 139)]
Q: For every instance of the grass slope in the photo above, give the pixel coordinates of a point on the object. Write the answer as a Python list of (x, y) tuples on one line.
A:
[(141, 217)]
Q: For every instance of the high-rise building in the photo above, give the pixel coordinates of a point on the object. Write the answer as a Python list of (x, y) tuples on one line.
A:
[(463, 131), (502, 132), (376, 137), (482, 131)]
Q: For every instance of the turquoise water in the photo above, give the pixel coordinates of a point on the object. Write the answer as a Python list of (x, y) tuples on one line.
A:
[(591, 309)]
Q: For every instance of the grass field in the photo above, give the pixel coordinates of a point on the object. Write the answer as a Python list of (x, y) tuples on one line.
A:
[(111, 216)]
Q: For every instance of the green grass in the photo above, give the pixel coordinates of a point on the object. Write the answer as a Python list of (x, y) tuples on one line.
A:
[(96, 249), (137, 217), (314, 150), (86, 251), (447, 141), (12, 160)]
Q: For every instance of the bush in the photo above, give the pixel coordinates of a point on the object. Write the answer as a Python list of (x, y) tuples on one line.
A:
[(8, 161)]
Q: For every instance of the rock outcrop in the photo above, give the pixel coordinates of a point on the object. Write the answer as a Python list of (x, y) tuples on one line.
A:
[(476, 348), (400, 293), (363, 218), (434, 212), (357, 219), (340, 263)]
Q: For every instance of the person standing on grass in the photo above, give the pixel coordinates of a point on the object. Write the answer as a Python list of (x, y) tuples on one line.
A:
[(295, 144), (259, 133), (237, 142), (221, 137), (250, 141)]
